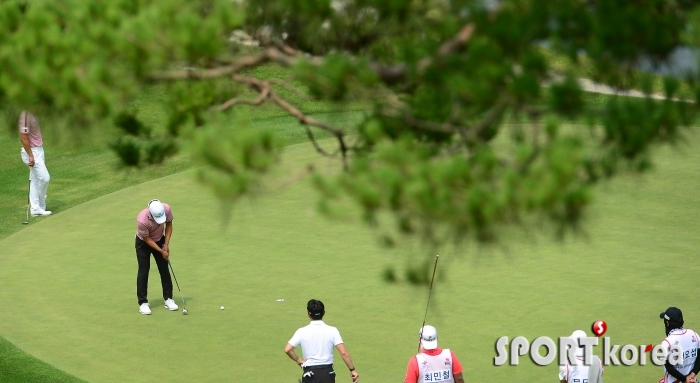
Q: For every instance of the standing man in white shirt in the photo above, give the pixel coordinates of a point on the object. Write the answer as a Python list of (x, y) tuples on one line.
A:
[(32, 153), (317, 341), (687, 339)]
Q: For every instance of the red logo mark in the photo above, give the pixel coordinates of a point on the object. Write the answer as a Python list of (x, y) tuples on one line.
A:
[(649, 347), (599, 328)]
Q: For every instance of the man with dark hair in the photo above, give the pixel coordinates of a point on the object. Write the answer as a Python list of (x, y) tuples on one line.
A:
[(687, 339), (317, 341)]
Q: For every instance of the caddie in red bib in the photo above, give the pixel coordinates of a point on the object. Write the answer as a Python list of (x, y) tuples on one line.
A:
[(433, 364)]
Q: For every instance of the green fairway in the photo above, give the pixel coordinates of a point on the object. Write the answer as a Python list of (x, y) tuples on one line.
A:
[(69, 299), (508, 173)]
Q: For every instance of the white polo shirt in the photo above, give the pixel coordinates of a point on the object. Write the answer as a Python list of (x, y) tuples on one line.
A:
[(317, 341)]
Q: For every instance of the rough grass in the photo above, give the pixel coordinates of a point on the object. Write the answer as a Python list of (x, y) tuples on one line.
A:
[(18, 366)]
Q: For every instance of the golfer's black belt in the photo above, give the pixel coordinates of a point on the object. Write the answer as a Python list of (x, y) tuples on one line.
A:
[(318, 367)]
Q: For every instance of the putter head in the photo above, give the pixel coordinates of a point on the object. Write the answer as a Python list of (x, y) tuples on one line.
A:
[(184, 311), (25, 223)]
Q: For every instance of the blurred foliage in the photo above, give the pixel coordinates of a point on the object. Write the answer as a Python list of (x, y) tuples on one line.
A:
[(235, 159), (438, 77)]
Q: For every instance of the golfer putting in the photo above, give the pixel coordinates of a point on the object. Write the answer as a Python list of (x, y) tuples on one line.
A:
[(154, 227)]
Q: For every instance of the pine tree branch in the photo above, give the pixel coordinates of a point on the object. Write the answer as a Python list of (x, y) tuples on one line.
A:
[(287, 56), (286, 85), (472, 134), (234, 66), (264, 93), (303, 118), (459, 41)]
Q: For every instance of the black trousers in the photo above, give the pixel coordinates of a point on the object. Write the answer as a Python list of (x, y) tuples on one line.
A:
[(318, 374), (143, 256)]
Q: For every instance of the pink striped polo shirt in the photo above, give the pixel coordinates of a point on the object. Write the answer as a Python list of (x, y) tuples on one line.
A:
[(29, 124), (147, 227)]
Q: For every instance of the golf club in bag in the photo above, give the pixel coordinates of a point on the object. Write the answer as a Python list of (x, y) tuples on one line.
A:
[(426, 306), (184, 310)]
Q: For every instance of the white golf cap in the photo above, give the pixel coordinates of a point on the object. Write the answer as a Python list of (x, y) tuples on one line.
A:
[(155, 207), (428, 338), (576, 335)]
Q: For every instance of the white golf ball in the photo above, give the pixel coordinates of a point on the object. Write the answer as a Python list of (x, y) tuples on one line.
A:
[(222, 307)]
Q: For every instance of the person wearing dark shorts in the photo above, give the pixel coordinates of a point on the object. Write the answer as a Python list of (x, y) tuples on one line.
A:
[(154, 227), (317, 341)]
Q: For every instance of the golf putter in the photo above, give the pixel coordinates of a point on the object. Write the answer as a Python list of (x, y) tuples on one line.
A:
[(430, 292), (184, 310), (30, 186)]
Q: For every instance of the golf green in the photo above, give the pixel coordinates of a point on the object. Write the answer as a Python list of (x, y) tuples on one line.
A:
[(68, 284)]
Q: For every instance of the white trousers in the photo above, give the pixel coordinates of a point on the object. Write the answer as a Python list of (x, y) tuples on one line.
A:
[(39, 177)]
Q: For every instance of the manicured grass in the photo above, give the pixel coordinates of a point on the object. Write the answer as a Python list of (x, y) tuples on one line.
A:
[(80, 174), (80, 288), (84, 172), (68, 298)]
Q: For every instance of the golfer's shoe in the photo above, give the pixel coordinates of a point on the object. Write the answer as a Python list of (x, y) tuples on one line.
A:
[(170, 304), (40, 213), (145, 309)]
